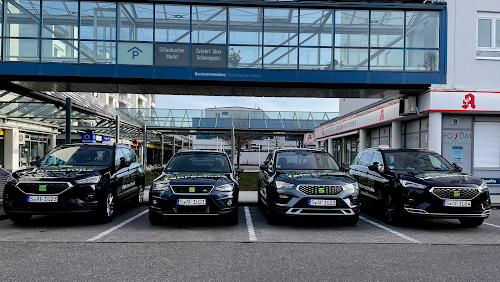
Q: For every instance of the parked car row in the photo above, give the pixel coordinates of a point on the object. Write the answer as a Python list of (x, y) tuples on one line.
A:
[(291, 183)]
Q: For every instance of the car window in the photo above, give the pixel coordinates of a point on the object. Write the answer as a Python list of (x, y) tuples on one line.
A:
[(357, 159), (128, 155), (367, 159), (377, 158), (305, 160), (417, 160), (269, 157), (78, 155), (199, 162), (118, 155)]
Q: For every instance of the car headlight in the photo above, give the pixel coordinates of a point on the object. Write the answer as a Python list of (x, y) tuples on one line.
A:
[(483, 187), (89, 180), (225, 188), (160, 186), (11, 179), (351, 186), (410, 184), (284, 185)]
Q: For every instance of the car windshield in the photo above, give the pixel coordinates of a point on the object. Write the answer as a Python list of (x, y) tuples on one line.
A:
[(199, 162), (416, 160), (305, 160), (78, 156)]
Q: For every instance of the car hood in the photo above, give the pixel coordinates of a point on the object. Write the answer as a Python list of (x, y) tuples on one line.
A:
[(61, 173), (316, 177), (196, 179), (453, 179)]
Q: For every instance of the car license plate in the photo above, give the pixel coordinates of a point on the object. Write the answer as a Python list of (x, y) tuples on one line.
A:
[(41, 199), (331, 203), (454, 203), (191, 202)]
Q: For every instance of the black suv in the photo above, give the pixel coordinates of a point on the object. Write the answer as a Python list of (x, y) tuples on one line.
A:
[(75, 178), (197, 183), (306, 182), (420, 182)]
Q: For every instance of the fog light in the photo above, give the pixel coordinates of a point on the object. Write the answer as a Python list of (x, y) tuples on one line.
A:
[(229, 203), (154, 202), (284, 196)]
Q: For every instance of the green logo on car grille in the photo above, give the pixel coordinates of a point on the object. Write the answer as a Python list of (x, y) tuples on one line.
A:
[(456, 193), (321, 190), (42, 188), (192, 190)]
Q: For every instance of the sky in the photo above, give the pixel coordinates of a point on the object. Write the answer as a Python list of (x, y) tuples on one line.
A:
[(266, 104)]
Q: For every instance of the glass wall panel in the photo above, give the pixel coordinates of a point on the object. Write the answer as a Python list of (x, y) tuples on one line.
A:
[(422, 29), (98, 20), (136, 22), (209, 24), (1, 20), (315, 58), (60, 19), (351, 59), (351, 28), (21, 50), (387, 29), (497, 37), (386, 59), (245, 25), (21, 18), (484, 33), (422, 60), (280, 26), (316, 28), (60, 51), (280, 58), (97, 52), (172, 23), (245, 57)]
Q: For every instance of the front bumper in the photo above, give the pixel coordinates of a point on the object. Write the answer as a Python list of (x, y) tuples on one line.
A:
[(421, 203), (217, 203)]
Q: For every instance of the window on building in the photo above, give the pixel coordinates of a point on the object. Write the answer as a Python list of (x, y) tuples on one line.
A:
[(488, 36)]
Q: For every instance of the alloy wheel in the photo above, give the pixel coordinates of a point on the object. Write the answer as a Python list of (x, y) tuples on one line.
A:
[(110, 204)]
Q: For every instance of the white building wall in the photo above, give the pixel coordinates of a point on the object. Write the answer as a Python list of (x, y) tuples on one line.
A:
[(347, 105)]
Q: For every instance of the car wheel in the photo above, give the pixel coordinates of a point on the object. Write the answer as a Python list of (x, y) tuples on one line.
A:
[(231, 218), (260, 203), (20, 218), (108, 208), (392, 215), (140, 196), (273, 218), (471, 222), (350, 220), (155, 219)]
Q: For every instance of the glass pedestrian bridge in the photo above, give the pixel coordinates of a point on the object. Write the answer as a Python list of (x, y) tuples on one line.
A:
[(151, 42), (215, 118)]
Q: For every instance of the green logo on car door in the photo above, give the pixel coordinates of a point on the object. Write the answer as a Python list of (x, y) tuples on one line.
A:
[(42, 188), (456, 193), (321, 190), (191, 190)]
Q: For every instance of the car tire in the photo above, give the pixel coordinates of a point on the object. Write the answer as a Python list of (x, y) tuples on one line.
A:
[(20, 218), (107, 211), (260, 204), (350, 220), (155, 219), (273, 218), (471, 222), (231, 218), (392, 214), (139, 200)]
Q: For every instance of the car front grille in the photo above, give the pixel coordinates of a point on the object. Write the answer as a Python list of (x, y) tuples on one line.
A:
[(316, 189), (36, 188), (189, 189), (450, 193)]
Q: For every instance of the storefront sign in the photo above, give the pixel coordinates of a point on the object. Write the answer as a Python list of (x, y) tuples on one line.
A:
[(171, 55), (308, 137), (491, 180), (212, 56), (88, 138), (106, 139), (459, 101), (457, 154), (135, 53)]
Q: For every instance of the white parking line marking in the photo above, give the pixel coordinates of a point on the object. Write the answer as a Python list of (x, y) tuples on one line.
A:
[(117, 226), (491, 224), (251, 231), (390, 230)]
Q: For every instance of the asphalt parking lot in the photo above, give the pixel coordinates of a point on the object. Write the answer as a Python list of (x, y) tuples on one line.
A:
[(132, 225)]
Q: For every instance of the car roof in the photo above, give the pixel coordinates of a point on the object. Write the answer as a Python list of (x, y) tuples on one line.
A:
[(298, 149), (96, 144), (183, 151), (394, 149)]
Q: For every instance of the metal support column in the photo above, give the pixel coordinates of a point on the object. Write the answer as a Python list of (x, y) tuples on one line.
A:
[(173, 145), (145, 148), (162, 150), (233, 153), (68, 120), (117, 129)]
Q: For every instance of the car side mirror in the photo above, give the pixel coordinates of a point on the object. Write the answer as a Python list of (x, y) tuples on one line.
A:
[(264, 167), (345, 167), (123, 163), (457, 167), (159, 169), (238, 170), (373, 167), (32, 162), (266, 162)]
